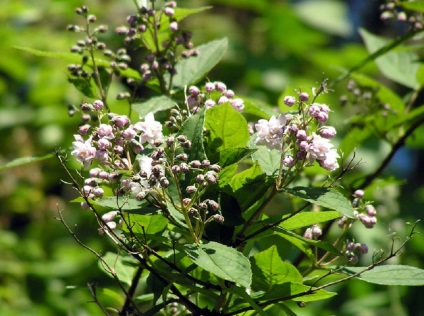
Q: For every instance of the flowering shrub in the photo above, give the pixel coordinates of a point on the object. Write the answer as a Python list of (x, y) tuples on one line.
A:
[(185, 183)]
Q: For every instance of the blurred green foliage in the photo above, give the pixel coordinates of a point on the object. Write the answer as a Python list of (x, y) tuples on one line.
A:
[(274, 47)]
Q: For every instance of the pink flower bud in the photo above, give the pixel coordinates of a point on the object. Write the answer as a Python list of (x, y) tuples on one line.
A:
[(327, 132), (301, 135), (289, 100), (220, 86), (121, 120), (173, 26), (304, 96), (98, 105), (289, 161), (169, 11), (371, 211), (83, 129), (210, 103), (209, 86), (193, 90), (359, 194), (237, 104)]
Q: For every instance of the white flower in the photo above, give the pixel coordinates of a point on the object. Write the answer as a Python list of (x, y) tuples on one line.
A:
[(270, 133), (105, 131), (151, 130), (83, 150), (319, 147), (330, 162)]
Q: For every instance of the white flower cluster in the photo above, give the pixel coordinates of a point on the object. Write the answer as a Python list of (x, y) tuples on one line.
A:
[(292, 134), (108, 141)]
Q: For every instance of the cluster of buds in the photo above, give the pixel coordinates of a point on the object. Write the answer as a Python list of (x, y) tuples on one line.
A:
[(365, 99), (392, 11), (294, 135), (365, 212), (353, 250), (213, 93), (313, 232), (109, 141), (110, 220), (144, 25)]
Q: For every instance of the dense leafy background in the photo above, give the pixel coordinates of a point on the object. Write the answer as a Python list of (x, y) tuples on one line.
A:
[(274, 46)]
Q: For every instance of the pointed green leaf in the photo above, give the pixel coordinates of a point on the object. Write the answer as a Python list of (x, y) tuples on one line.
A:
[(25, 160), (248, 186), (269, 160), (325, 197), (125, 203), (230, 156), (74, 58), (193, 129), (227, 128), (153, 105), (303, 243), (193, 69), (398, 65), (225, 262), (257, 108), (286, 290), (390, 275), (84, 85), (269, 268), (146, 224), (308, 218), (243, 294), (123, 268), (413, 5)]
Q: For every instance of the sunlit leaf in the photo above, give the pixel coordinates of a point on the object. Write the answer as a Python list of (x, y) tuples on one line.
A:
[(225, 262), (193, 69), (325, 197), (390, 275), (26, 160), (398, 65), (153, 105)]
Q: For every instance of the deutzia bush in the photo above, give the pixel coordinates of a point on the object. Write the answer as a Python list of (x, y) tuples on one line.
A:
[(208, 198)]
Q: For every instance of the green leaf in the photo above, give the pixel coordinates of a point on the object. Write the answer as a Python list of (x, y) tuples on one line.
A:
[(175, 214), (231, 156), (269, 268), (398, 65), (153, 105), (326, 15), (308, 218), (146, 224), (383, 93), (257, 108), (303, 243), (74, 58), (414, 5), (122, 267), (248, 186), (226, 174), (83, 85), (325, 197), (390, 275), (289, 289), (193, 69), (243, 294), (269, 160), (182, 13), (26, 160), (193, 129), (354, 138), (127, 204), (227, 127), (225, 262)]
